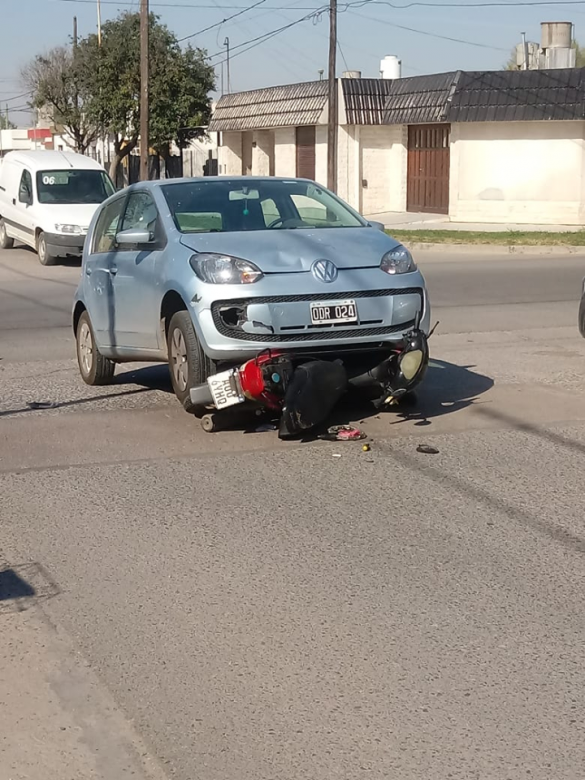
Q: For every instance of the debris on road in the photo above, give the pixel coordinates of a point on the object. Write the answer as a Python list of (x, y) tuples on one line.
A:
[(366, 448), (427, 449), (41, 405), (343, 433)]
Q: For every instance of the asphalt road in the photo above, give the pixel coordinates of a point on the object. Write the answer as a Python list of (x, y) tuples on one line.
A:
[(263, 610)]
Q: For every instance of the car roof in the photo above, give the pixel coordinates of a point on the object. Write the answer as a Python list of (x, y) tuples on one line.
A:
[(42, 160), (239, 179)]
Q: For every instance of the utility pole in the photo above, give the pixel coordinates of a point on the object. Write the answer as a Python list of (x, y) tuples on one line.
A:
[(99, 21), (226, 43), (74, 33), (144, 90), (332, 101)]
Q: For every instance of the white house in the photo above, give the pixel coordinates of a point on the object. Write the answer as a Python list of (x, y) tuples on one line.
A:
[(502, 146)]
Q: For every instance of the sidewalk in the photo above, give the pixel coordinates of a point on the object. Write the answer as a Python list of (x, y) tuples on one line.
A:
[(56, 720), (412, 221)]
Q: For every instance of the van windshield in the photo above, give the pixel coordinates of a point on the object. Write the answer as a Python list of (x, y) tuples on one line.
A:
[(73, 186)]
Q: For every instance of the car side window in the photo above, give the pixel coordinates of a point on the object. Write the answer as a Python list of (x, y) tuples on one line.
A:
[(104, 237), (141, 213), (270, 211), (25, 189)]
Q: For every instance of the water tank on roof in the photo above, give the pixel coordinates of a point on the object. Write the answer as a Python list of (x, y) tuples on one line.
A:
[(390, 67), (556, 35)]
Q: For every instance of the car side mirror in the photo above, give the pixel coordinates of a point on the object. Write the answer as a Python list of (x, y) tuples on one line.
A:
[(378, 226), (134, 237), (24, 197)]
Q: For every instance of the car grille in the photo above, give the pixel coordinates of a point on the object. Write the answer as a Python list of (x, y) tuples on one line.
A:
[(312, 333)]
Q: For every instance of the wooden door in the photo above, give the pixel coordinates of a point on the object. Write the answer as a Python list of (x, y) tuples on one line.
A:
[(306, 152), (427, 186)]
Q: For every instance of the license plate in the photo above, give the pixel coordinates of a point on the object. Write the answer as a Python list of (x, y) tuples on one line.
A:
[(333, 312), (225, 389)]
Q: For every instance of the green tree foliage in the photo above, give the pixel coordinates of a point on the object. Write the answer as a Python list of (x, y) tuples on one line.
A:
[(180, 83), (6, 124)]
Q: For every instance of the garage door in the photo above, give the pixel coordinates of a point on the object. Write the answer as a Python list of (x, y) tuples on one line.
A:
[(306, 152), (428, 169)]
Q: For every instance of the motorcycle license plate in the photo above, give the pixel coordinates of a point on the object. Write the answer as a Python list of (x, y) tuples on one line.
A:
[(333, 313), (225, 389)]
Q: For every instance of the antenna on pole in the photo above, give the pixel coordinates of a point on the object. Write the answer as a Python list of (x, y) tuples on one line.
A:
[(99, 21), (332, 100), (144, 145), (226, 43)]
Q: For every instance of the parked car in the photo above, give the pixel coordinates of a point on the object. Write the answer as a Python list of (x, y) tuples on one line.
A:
[(207, 273), (47, 200), (582, 311)]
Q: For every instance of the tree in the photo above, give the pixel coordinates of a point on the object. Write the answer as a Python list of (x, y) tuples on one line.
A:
[(55, 81), (6, 124), (579, 58), (179, 86)]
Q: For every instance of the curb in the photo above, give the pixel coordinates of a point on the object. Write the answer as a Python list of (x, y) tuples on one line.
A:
[(495, 249)]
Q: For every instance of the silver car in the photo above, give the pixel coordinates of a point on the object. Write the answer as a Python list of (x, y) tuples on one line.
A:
[(207, 273)]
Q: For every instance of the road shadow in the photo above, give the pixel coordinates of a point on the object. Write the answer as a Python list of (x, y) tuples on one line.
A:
[(25, 585), (156, 377), (447, 388), (67, 262)]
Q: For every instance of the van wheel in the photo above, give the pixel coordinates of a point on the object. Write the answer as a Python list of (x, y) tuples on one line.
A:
[(42, 251), (5, 242), (95, 369), (188, 363)]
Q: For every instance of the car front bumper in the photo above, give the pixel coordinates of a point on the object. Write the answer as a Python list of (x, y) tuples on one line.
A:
[(63, 245), (237, 328)]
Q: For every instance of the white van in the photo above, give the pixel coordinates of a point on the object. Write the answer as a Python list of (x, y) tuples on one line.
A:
[(47, 200)]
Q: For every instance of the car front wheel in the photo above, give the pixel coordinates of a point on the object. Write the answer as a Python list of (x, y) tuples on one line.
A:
[(45, 257), (188, 363), (582, 317), (95, 369), (5, 241)]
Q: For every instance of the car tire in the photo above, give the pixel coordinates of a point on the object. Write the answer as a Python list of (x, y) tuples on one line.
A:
[(45, 257), (582, 317), (95, 369), (189, 366), (5, 241)]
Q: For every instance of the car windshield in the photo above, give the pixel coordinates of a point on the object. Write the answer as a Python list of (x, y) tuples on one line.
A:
[(73, 186), (231, 205)]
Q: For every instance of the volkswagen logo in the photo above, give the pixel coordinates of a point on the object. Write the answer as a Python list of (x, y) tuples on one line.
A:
[(324, 271)]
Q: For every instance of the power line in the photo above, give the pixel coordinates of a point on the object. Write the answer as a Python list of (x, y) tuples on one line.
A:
[(429, 34), (223, 21), (513, 4), (266, 36), (16, 97)]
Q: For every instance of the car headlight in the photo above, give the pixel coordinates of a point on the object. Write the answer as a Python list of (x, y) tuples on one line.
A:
[(76, 229), (224, 269), (398, 261)]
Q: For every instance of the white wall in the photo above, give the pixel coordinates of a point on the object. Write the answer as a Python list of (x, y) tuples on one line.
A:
[(321, 155), (230, 154), (262, 152), (383, 166), (517, 172), (285, 152)]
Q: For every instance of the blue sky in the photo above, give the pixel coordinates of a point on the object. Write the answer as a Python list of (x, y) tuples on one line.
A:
[(366, 34)]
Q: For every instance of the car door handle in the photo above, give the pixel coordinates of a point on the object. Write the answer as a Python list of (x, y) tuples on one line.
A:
[(14, 201), (114, 270)]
